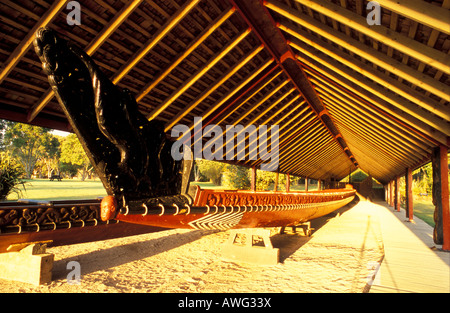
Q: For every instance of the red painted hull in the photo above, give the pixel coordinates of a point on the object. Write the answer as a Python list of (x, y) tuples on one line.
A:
[(247, 209)]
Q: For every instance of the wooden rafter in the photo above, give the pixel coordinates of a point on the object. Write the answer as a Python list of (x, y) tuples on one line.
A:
[(151, 43), (421, 12), (370, 96), (397, 41), (107, 31), (377, 58), (25, 44), (388, 96), (205, 68)]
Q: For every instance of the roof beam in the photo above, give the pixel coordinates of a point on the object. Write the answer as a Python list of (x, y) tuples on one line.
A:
[(421, 52), (25, 44), (209, 91), (159, 35), (373, 134), (381, 92), (420, 11), (205, 68), (257, 16), (118, 19), (388, 126), (397, 68), (380, 106), (205, 34), (279, 120)]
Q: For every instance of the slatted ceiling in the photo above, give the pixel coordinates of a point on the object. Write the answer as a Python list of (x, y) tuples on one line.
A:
[(384, 130), (361, 108)]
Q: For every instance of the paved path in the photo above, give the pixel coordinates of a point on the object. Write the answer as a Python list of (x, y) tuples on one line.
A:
[(410, 263)]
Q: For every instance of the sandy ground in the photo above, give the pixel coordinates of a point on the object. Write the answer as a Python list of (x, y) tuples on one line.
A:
[(338, 257)]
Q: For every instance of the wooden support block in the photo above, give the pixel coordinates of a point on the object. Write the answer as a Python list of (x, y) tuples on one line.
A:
[(30, 264), (307, 230), (251, 246)]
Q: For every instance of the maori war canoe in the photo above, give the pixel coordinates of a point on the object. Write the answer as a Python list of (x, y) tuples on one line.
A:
[(224, 209)]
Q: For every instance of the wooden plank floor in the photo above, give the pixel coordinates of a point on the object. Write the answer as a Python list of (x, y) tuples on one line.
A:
[(410, 263)]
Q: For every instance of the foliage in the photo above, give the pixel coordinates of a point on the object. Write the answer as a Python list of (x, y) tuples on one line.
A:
[(51, 153), (266, 180), (423, 180), (211, 170), (236, 177), (356, 176), (10, 176), (72, 152), (26, 143), (3, 125)]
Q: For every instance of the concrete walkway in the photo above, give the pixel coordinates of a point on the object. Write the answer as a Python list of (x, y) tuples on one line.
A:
[(412, 262)]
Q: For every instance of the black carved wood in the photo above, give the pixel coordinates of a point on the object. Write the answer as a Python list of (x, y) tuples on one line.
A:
[(130, 154)]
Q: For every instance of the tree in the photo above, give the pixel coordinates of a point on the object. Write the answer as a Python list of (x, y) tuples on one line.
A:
[(211, 170), (3, 125), (265, 180), (72, 152), (25, 142), (236, 177), (50, 153), (10, 176)]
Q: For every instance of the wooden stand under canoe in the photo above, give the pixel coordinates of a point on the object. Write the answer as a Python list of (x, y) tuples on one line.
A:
[(222, 209)]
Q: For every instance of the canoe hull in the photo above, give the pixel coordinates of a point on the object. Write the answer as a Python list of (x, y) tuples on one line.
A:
[(245, 209)]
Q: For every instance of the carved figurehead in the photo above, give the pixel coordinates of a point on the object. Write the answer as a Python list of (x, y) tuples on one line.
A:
[(130, 154)]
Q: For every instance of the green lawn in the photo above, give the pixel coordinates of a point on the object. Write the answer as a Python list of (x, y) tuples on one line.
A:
[(206, 185), (67, 189), (424, 210)]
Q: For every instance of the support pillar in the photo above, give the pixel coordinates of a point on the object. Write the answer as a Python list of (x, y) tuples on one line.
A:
[(409, 195), (388, 193), (391, 193), (288, 182), (275, 188), (441, 233), (253, 179), (306, 183), (319, 184), (397, 195)]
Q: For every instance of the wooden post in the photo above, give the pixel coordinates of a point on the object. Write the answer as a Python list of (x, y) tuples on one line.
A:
[(275, 187), (253, 179), (397, 194), (288, 182), (319, 185), (306, 183), (409, 195), (391, 194), (386, 193), (391, 198), (441, 233)]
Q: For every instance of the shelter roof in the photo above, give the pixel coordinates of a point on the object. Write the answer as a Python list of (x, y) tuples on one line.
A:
[(344, 94)]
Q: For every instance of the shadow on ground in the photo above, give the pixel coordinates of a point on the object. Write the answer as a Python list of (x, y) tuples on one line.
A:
[(107, 258), (291, 240), (115, 256)]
